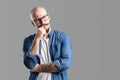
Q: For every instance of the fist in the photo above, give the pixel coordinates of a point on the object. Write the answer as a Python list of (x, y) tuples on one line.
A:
[(40, 32)]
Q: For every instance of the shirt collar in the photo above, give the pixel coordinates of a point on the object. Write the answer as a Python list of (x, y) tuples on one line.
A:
[(51, 31)]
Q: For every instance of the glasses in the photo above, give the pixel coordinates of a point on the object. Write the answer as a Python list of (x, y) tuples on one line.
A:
[(39, 20)]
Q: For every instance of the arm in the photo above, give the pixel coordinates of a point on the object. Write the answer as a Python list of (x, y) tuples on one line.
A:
[(35, 45), (30, 60), (50, 67), (62, 63), (31, 50)]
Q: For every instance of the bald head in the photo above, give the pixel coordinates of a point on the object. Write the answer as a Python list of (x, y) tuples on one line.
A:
[(40, 18), (38, 12)]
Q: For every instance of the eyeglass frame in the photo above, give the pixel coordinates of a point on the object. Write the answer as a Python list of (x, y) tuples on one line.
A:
[(40, 19)]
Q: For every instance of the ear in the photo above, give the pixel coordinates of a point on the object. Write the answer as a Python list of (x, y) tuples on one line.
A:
[(33, 23)]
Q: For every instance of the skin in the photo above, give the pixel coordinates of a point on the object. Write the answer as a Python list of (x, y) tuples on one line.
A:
[(41, 32)]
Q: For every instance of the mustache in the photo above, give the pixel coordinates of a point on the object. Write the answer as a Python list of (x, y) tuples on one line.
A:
[(43, 25)]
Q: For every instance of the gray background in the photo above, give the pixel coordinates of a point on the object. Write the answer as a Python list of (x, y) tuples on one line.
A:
[(92, 24)]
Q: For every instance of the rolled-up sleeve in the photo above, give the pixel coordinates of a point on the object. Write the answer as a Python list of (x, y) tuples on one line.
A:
[(64, 62), (30, 60)]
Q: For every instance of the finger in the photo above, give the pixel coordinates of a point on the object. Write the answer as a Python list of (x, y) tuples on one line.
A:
[(41, 28)]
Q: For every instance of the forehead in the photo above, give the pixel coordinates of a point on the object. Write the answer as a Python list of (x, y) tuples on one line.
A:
[(37, 13)]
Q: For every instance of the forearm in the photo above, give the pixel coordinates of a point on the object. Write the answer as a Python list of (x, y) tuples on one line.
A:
[(49, 67), (35, 46)]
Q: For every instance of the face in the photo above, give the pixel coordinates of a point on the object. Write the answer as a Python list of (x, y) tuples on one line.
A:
[(40, 18)]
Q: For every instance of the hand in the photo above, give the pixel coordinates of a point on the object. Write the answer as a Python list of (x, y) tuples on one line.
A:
[(40, 32)]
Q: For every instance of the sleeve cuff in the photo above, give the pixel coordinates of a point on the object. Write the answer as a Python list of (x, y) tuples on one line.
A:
[(31, 60), (57, 63)]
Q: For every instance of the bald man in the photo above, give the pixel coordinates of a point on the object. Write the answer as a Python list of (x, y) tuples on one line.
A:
[(48, 52)]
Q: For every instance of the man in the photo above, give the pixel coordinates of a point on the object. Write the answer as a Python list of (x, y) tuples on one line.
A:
[(48, 52)]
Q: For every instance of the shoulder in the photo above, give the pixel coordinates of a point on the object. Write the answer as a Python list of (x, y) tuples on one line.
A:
[(61, 34), (29, 38)]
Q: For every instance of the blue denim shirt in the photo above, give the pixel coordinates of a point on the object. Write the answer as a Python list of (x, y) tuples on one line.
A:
[(60, 52)]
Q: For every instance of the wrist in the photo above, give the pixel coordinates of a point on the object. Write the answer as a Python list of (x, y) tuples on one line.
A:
[(38, 38)]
